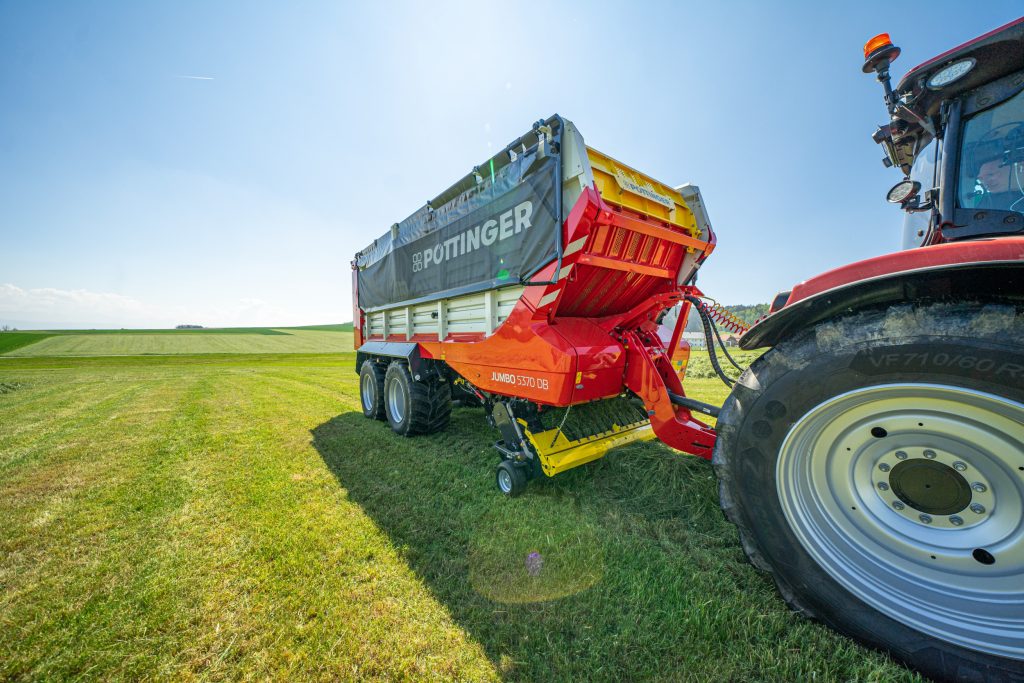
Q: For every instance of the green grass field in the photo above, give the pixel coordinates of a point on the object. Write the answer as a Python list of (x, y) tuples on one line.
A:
[(11, 341), (235, 517), (340, 327), (188, 342)]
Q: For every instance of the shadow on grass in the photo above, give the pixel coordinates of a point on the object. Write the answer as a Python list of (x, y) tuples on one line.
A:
[(621, 569)]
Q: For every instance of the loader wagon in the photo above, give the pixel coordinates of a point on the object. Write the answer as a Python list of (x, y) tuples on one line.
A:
[(534, 287)]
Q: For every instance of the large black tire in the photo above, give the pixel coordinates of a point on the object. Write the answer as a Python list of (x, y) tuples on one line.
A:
[(371, 389), (415, 407), (874, 466)]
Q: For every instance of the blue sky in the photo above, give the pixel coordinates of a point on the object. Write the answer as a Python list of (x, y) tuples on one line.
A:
[(220, 163)]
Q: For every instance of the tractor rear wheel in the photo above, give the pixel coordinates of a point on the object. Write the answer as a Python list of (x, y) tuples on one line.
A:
[(874, 466), (415, 407)]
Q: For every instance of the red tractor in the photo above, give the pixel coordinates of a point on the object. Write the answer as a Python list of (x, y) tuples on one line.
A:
[(873, 458)]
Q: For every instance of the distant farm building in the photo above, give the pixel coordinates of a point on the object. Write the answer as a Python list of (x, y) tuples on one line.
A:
[(694, 339)]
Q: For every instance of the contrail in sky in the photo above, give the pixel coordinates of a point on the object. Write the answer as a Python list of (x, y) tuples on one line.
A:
[(197, 78)]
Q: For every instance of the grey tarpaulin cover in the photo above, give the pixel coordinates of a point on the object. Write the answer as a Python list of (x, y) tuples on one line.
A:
[(494, 233)]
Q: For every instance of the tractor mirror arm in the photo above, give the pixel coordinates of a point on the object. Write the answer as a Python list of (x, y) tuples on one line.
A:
[(926, 201)]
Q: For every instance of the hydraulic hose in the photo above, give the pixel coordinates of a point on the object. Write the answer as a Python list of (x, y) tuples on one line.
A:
[(708, 327), (721, 344)]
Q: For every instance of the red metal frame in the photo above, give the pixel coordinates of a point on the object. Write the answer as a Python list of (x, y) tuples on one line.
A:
[(357, 313), (649, 374), (593, 333)]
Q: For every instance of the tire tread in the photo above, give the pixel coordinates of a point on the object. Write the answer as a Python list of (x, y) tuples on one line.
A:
[(430, 402), (379, 371)]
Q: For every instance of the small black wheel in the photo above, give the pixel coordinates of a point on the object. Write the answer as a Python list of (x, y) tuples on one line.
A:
[(415, 407), (510, 478), (874, 466), (371, 389)]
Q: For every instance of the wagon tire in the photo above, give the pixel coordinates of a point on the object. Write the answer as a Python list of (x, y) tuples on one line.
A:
[(906, 424), (415, 407), (371, 389)]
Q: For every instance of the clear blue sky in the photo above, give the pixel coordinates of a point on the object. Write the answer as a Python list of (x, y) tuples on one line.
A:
[(219, 163)]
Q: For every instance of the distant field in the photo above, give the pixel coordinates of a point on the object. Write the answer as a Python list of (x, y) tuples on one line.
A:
[(9, 341), (341, 327), (200, 330), (224, 517), (137, 343)]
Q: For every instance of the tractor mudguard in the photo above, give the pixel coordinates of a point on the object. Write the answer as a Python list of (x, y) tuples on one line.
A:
[(983, 269)]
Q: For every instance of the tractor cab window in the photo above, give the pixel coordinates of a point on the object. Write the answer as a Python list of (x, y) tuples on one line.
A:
[(992, 162), (916, 223)]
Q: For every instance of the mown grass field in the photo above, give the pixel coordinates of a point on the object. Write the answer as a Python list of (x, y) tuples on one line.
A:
[(139, 343), (235, 517), (10, 341)]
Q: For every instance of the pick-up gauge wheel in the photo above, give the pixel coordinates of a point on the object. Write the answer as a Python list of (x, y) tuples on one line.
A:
[(510, 478), (874, 466)]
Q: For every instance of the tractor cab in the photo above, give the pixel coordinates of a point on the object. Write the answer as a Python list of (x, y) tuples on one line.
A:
[(956, 130)]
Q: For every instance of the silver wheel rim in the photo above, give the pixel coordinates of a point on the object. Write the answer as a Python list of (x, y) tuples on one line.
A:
[(367, 389), (504, 480), (835, 479), (396, 400)]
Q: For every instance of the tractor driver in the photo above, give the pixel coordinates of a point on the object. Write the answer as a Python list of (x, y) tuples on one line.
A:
[(1000, 174), (1001, 183)]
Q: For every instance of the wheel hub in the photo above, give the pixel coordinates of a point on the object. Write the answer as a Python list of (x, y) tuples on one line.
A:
[(929, 486), (933, 487), (367, 387), (504, 481), (396, 401)]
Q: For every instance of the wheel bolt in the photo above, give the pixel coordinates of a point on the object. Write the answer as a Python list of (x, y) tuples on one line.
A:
[(956, 521), (929, 454), (901, 455), (979, 487), (884, 467), (882, 486), (898, 505), (959, 466), (977, 508), (927, 519)]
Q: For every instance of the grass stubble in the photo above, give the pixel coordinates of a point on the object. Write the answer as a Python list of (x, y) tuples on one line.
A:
[(235, 517)]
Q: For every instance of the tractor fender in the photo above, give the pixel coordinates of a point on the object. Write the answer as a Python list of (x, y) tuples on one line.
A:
[(983, 270)]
